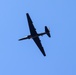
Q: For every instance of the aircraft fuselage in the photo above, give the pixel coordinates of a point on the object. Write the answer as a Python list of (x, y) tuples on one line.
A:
[(33, 36)]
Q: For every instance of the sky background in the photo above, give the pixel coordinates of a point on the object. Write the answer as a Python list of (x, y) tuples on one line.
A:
[(24, 57)]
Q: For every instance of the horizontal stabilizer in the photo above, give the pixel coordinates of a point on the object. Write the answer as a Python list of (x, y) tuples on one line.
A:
[(47, 31)]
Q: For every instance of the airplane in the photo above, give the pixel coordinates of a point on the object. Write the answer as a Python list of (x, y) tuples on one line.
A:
[(34, 35)]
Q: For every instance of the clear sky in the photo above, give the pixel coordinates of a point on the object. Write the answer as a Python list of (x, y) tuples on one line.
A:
[(24, 57)]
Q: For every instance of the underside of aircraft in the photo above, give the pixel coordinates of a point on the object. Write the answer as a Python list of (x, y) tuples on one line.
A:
[(34, 35)]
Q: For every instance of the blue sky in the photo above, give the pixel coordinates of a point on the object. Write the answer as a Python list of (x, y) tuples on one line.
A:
[(24, 57)]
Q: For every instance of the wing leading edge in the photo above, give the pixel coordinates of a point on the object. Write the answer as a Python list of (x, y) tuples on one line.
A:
[(38, 43), (31, 26)]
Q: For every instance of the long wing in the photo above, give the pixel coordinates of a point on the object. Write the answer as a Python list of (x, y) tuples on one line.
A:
[(31, 26), (33, 33), (38, 43)]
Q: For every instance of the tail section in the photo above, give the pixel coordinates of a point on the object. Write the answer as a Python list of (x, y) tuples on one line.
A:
[(47, 31)]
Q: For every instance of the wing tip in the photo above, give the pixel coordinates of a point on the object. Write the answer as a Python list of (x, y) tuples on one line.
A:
[(27, 13), (44, 54)]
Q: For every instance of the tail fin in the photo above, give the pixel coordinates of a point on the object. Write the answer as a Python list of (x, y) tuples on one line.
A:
[(47, 31)]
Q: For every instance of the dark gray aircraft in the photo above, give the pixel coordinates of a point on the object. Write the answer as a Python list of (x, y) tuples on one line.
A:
[(34, 35)]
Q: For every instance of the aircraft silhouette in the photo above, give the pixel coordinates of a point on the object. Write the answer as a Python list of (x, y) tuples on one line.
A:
[(34, 35)]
